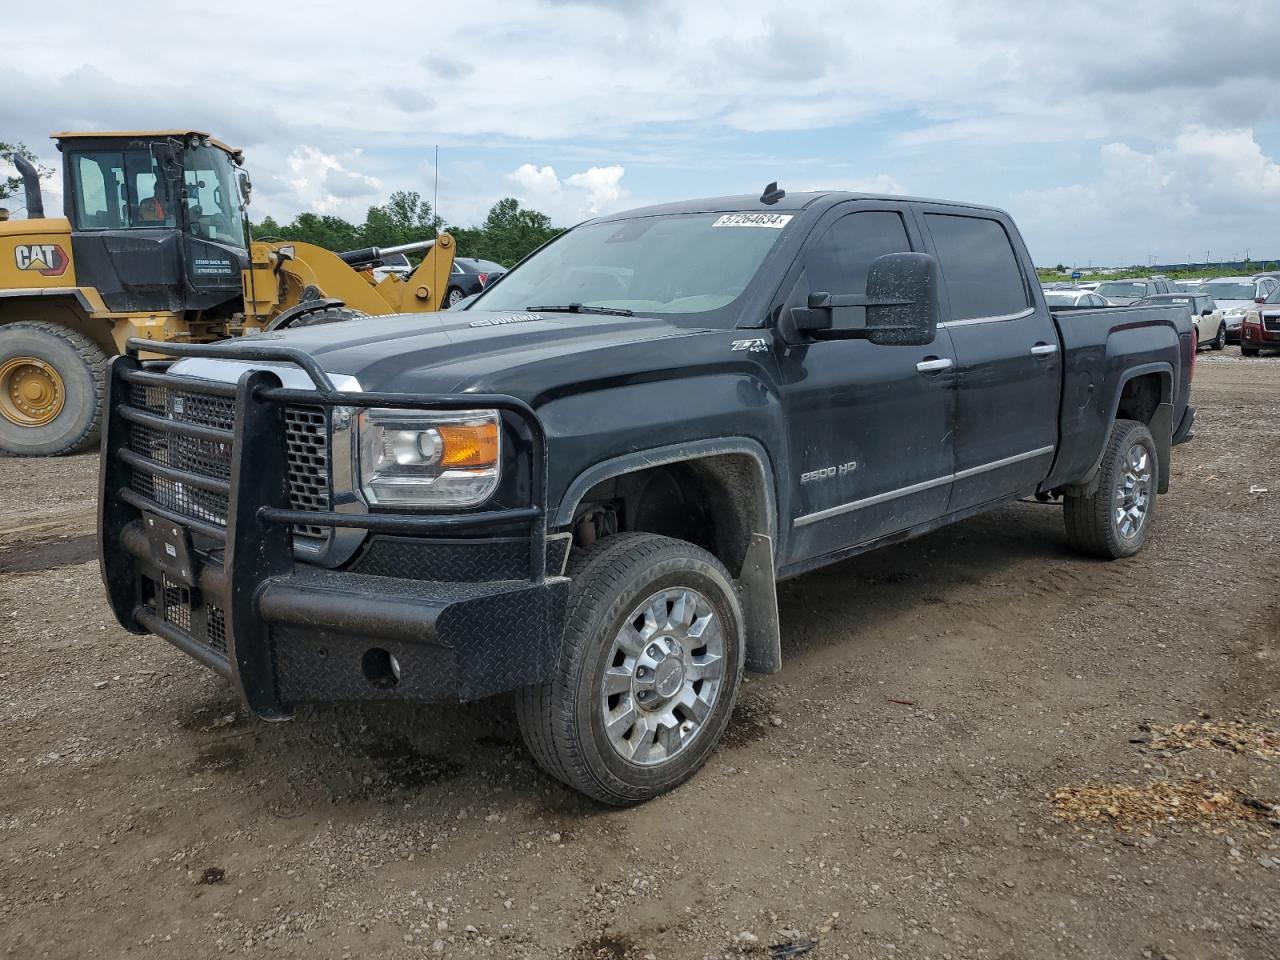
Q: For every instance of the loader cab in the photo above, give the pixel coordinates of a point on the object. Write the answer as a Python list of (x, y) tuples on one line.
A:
[(157, 219)]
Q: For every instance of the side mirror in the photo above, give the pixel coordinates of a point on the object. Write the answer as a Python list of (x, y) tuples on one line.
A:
[(900, 305), (1206, 312)]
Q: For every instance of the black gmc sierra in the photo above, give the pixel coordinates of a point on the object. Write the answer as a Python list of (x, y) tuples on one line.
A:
[(582, 488)]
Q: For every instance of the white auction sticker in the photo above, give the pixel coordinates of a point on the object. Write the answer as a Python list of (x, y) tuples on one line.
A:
[(773, 221)]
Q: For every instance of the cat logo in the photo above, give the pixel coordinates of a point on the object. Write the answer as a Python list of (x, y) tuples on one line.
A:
[(47, 259)]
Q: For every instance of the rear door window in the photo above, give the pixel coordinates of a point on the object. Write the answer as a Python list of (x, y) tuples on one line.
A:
[(979, 267)]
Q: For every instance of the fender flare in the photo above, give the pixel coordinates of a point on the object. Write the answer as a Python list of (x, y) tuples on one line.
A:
[(1161, 424), (757, 584)]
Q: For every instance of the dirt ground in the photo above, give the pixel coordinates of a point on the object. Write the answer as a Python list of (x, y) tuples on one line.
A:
[(968, 754)]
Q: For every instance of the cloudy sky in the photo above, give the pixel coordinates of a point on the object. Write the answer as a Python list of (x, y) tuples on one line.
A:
[(1113, 132)]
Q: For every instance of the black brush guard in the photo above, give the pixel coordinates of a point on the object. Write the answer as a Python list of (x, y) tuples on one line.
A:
[(282, 632)]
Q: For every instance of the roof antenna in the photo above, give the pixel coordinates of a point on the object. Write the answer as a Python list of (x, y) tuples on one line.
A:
[(772, 194)]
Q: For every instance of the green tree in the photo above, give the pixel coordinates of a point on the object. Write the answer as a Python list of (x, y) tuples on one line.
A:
[(508, 234), (404, 218), (12, 186)]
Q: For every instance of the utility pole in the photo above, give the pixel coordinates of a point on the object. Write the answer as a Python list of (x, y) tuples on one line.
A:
[(435, 188)]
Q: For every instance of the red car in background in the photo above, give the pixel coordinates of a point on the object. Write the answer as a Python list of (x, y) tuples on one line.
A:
[(1260, 329)]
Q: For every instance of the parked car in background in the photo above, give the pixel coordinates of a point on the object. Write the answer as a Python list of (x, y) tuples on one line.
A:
[(396, 263), (1236, 296), (1260, 329), (1089, 285), (1123, 293), (1210, 325), (1190, 284), (1073, 298), (470, 277)]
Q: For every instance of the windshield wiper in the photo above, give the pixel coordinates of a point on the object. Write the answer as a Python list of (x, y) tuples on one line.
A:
[(580, 308)]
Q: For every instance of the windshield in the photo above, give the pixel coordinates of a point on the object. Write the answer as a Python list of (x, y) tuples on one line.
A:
[(1275, 296), (1122, 288), (1061, 299), (1230, 291), (213, 196), (674, 264)]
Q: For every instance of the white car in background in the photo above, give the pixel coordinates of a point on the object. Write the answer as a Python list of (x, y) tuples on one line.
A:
[(396, 263), (1073, 298), (1236, 296)]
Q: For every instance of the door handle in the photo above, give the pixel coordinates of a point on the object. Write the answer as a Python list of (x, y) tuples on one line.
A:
[(934, 365), (1044, 349)]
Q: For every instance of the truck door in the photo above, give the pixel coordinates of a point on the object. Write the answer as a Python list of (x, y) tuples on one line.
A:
[(1009, 366), (869, 426)]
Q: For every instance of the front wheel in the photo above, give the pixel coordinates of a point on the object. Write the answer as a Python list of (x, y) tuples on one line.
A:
[(1115, 519), (649, 667), (452, 297), (1220, 341), (1248, 351)]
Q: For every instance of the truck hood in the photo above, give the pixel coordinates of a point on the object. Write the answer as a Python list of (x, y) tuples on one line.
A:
[(469, 351)]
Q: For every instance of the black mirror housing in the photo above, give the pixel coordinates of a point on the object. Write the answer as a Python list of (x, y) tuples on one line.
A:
[(900, 307), (902, 299)]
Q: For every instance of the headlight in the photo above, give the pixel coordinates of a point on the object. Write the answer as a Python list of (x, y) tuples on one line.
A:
[(427, 458), (1236, 311)]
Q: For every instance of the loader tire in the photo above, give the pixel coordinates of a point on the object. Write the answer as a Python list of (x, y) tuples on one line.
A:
[(327, 315), (51, 388), (1114, 520)]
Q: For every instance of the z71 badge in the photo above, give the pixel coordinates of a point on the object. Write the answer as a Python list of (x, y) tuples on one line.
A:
[(47, 259)]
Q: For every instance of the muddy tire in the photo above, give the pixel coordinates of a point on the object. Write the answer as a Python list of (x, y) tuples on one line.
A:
[(51, 389), (649, 668), (1114, 520)]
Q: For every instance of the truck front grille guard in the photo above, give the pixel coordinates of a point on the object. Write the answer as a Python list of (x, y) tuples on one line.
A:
[(256, 539)]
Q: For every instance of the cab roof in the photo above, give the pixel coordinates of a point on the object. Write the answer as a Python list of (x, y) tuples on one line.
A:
[(791, 203), (142, 135)]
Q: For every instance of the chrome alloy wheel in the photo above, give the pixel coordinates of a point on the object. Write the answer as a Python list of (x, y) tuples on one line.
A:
[(662, 676), (1132, 498)]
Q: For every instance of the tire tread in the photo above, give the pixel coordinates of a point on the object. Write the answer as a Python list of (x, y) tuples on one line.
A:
[(546, 715), (94, 358)]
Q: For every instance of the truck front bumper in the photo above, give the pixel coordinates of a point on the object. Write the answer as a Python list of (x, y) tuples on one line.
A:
[(203, 556)]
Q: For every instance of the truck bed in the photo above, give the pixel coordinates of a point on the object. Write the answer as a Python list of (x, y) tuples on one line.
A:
[(1103, 348)]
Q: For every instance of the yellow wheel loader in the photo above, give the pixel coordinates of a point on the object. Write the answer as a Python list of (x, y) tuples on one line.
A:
[(154, 243)]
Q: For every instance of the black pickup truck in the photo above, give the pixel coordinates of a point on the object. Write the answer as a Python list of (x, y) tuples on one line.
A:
[(582, 488)]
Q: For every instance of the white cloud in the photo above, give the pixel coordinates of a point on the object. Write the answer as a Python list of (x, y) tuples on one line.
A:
[(880, 183), (576, 197), (321, 182), (1202, 192)]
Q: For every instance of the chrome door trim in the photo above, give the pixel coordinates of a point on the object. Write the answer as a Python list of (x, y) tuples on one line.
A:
[(852, 505), (1044, 349), (970, 321), (933, 366)]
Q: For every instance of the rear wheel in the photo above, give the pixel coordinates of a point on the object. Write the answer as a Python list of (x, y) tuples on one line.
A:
[(1115, 519), (649, 668), (1220, 340), (452, 297), (51, 387)]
